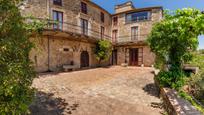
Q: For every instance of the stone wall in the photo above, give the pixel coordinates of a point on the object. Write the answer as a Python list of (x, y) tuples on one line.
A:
[(71, 13), (124, 7), (58, 57), (176, 105), (145, 56), (144, 27)]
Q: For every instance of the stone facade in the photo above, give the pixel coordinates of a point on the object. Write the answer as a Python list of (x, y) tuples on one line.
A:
[(58, 56), (57, 48), (124, 40)]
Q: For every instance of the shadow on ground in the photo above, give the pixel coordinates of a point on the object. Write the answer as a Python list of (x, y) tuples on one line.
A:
[(47, 104), (151, 89)]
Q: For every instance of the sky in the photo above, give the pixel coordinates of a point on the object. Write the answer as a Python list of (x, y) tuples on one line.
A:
[(167, 4)]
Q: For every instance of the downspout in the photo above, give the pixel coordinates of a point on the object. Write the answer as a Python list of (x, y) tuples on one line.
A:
[(48, 37), (48, 46)]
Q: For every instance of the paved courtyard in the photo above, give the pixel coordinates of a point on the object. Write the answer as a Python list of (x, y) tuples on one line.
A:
[(101, 91)]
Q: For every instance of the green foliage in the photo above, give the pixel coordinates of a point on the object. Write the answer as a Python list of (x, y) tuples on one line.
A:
[(196, 81), (103, 50), (176, 36), (198, 61), (201, 51), (16, 72), (173, 40), (171, 79), (186, 96)]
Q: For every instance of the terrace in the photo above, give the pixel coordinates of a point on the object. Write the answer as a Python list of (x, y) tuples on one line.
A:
[(76, 32)]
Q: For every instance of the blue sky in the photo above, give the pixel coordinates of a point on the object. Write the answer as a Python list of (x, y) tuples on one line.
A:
[(167, 4)]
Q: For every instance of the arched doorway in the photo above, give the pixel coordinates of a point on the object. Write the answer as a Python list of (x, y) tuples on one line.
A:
[(84, 59)]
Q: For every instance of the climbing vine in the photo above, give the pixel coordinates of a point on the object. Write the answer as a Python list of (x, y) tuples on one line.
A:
[(173, 40)]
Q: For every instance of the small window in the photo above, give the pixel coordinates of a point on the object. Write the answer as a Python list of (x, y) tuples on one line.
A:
[(115, 21), (83, 8), (57, 2), (66, 49), (102, 17), (102, 32)]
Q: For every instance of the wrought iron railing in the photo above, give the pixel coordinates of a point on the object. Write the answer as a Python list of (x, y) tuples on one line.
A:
[(73, 28), (133, 38)]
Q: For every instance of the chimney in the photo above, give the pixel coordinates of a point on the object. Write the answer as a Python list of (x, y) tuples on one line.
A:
[(124, 7)]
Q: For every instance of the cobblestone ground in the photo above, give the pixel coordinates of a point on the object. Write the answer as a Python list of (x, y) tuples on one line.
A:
[(102, 91)]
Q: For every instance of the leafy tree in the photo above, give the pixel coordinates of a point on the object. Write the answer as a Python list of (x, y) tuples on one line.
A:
[(103, 50), (173, 39), (16, 72)]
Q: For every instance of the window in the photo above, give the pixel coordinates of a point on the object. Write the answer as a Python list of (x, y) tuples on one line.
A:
[(57, 2), (66, 49), (58, 16), (83, 8), (134, 33), (114, 35), (115, 21), (84, 26), (102, 17), (137, 16), (102, 32)]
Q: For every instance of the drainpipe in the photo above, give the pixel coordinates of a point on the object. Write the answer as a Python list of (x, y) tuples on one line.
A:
[(48, 48), (48, 37)]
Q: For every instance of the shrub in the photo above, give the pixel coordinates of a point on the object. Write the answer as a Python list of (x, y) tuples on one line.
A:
[(16, 72), (103, 50), (171, 79), (172, 40)]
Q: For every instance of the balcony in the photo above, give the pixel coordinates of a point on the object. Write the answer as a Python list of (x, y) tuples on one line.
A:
[(64, 29), (137, 39), (138, 19)]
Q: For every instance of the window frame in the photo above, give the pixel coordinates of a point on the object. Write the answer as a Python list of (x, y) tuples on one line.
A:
[(114, 35), (102, 17), (102, 32), (115, 20), (57, 2), (138, 16), (84, 8), (57, 26), (134, 33), (84, 26)]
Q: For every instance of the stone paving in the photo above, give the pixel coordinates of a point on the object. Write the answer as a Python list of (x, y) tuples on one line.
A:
[(101, 91)]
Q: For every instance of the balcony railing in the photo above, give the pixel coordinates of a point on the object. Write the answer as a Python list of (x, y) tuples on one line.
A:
[(126, 39), (139, 19), (73, 28), (52, 25)]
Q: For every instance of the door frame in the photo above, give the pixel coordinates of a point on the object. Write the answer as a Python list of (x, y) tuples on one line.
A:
[(84, 59), (115, 57), (134, 56)]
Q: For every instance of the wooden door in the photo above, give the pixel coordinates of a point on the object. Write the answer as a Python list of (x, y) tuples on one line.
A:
[(133, 57), (84, 59), (114, 57)]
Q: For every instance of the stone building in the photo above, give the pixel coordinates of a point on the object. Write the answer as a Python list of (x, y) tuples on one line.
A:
[(130, 29), (81, 24)]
